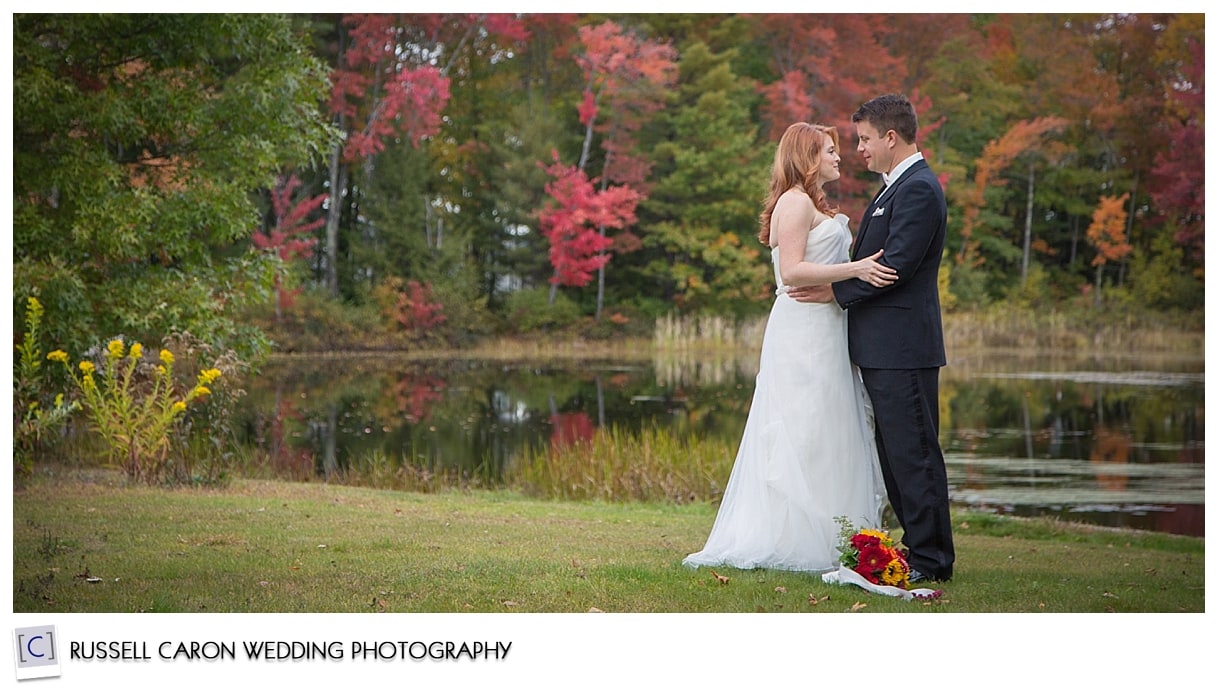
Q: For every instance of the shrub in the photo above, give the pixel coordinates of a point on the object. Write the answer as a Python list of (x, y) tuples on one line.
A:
[(530, 310)]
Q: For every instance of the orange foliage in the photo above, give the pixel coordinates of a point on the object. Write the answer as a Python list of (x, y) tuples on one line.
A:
[(998, 154), (1107, 230)]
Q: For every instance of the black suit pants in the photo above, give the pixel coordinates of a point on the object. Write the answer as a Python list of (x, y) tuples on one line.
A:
[(906, 406)]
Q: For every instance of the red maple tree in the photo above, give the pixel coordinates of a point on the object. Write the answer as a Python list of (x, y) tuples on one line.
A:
[(289, 238), (572, 222), (379, 93), (625, 81), (1178, 177)]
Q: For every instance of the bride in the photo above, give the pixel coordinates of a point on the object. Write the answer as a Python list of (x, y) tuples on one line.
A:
[(808, 453)]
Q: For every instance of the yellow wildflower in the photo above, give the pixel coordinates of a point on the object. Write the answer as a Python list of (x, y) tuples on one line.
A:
[(166, 356), (87, 367), (137, 351), (116, 348), (58, 356), (202, 391), (58, 400), (179, 407), (161, 370), (209, 376)]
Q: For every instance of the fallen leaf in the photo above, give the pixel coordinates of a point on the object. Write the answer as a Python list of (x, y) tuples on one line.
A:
[(781, 590), (857, 605), (964, 525), (1151, 571), (1110, 595), (510, 603), (720, 578), (594, 609), (812, 600)]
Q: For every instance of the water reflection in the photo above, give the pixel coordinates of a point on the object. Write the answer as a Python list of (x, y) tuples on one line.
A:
[(1112, 443)]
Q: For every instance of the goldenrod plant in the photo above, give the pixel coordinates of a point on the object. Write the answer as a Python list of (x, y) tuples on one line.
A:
[(133, 404), (36, 416)]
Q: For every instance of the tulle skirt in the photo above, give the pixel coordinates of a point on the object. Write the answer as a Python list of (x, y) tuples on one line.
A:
[(807, 455)]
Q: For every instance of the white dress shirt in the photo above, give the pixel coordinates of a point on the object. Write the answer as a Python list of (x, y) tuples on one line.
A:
[(900, 169)]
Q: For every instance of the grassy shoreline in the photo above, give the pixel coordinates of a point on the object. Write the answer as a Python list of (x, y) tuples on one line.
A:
[(965, 334), (84, 541)]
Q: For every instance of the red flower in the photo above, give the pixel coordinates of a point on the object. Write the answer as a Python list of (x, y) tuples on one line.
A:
[(873, 560), (862, 541)]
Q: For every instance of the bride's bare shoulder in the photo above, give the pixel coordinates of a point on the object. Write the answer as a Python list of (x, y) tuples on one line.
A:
[(794, 199)]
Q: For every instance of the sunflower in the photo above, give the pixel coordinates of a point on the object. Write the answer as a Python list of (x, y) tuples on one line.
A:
[(896, 573)]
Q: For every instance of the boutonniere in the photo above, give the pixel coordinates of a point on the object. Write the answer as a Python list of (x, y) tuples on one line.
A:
[(878, 212)]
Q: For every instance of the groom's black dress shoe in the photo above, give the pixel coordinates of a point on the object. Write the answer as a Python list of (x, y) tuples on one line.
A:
[(917, 576)]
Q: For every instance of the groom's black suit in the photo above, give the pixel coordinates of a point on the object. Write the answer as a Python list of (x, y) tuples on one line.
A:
[(896, 339)]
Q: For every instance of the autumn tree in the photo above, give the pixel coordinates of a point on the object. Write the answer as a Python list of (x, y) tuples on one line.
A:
[(1178, 177), (289, 237), (383, 87), (1107, 235), (575, 220), (1023, 141), (814, 82), (625, 81), (1126, 46)]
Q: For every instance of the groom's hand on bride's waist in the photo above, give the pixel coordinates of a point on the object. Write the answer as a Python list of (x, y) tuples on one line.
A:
[(822, 293)]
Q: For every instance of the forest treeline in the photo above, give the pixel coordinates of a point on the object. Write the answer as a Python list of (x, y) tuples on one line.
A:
[(447, 177)]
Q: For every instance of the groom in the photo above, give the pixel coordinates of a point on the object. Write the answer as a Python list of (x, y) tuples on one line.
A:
[(896, 331)]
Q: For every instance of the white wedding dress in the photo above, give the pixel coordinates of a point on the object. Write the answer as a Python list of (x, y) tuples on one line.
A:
[(808, 452)]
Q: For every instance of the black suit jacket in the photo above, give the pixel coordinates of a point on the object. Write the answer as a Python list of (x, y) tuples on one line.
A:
[(900, 326)]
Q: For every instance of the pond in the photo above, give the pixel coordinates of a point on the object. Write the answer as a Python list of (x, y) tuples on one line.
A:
[(1116, 442)]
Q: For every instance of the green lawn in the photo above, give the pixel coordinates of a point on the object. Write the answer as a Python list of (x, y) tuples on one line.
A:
[(86, 542)]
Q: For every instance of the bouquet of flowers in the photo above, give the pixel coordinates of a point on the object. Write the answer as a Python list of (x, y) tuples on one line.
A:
[(872, 554)]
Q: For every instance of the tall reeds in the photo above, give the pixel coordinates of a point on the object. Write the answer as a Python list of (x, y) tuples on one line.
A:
[(707, 332), (616, 465), (1062, 332)]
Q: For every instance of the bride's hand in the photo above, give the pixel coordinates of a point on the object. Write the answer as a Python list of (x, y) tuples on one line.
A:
[(874, 273)]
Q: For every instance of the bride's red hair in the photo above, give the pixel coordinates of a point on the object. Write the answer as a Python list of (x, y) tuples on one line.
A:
[(797, 164)]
